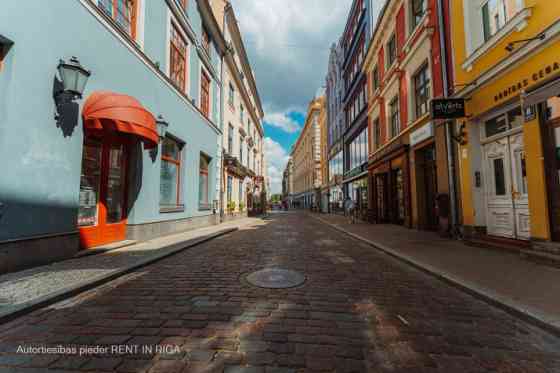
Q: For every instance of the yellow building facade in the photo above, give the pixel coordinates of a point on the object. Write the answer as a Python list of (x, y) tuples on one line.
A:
[(507, 67)]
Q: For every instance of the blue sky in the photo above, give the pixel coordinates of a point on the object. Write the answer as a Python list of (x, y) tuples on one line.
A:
[(288, 43)]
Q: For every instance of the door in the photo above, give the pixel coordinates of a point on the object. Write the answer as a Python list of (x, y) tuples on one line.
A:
[(429, 173), (381, 197), (551, 142), (506, 188), (102, 211)]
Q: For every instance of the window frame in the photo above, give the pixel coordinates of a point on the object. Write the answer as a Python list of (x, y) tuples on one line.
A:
[(178, 162), (391, 50), (231, 135), (416, 18), (205, 93), (133, 21), (204, 174), (174, 50), (394, 117), (377, 133), (423, 71)]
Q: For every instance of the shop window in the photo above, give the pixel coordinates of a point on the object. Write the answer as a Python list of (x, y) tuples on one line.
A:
[(170, 175), (391, 51), (418, 9), (203, 187), (205, 94), (178, 59), (394, 117), (422, 90), (123, 13)]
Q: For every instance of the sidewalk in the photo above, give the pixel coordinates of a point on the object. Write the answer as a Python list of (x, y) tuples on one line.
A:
[(24, 291), (505, 279)]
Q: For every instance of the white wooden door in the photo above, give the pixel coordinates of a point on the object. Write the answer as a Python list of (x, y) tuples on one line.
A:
[(500, 209), (520, 193), (506, 188)]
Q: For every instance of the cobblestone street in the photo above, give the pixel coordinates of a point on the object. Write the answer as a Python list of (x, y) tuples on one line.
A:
[(358, 311)]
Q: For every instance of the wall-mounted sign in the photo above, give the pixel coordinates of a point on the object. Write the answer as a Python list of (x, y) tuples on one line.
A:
[(530, 113), (448, 108), (421, 134)]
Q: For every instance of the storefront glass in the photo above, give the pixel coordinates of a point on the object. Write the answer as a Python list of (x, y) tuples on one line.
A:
[(89, 183)]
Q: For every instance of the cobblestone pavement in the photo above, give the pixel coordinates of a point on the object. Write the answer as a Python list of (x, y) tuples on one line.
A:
[(358, 311), (25, 286)]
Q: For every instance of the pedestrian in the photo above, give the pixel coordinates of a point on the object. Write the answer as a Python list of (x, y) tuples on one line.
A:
[(349, 209)]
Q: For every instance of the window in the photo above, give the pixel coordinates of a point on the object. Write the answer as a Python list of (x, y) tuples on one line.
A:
[(241, 113), (358, 150), (170, 175), (241, 151), (205, 40), (240, 192), (499, 177), (422, 91), (183, 4), (178, 59), (418, 10), (503, 123), (375, 79), (394, 119), (231, 97), (391, 51), (377, 133), (230, 139), (203, 187), (123, 12), (229, 188), (205, 94), (495, 16)]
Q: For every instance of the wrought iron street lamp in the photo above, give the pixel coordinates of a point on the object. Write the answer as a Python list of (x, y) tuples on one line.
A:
[(74, 77)]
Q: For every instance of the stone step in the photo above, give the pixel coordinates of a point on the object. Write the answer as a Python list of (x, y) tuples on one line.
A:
[(498, 243), (105, 248), (547, 247), (542, 257)]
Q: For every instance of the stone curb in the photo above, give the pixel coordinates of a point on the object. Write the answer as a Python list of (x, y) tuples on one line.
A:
[(71, 291), (507, 304)]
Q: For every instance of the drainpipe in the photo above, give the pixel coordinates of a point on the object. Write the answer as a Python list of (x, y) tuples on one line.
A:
[(448, 125), (222, 169)]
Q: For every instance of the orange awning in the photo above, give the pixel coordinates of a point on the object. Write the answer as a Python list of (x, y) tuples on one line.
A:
[(122, 113)]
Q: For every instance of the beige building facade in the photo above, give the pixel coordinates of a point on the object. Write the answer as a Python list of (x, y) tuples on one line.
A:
[(306, 156), (243, 179)]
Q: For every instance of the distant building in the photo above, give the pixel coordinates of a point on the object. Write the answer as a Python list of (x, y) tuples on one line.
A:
[(306, 156)]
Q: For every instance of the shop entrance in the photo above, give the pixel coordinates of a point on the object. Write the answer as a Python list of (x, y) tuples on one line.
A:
[(426, 179), (102, 211), (551, 142), (397, 196), (506, 183)]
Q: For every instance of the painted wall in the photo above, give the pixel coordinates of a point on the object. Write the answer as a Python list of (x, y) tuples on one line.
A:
[(41, 162)]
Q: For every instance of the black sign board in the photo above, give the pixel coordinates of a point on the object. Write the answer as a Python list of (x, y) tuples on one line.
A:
[(448, 108)]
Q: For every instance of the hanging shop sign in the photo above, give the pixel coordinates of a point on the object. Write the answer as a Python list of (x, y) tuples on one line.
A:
[(448, 108)]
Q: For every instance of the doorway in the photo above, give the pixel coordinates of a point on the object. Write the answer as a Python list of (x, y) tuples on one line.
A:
[(427, 187), (102, 211), (550, 112), (507, 192)]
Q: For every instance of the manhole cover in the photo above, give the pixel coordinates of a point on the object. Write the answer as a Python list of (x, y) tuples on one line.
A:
[(275, 278)]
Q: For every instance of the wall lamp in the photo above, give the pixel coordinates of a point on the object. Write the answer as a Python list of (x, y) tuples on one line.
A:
[(162, 126), (74, 77), (511, 45)]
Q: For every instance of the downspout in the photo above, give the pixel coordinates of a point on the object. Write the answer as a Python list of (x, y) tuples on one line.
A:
[(222, 170), (449, 124)]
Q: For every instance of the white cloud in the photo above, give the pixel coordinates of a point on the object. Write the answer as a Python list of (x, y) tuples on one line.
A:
[(288, 43), (282, 121), (277, 158)]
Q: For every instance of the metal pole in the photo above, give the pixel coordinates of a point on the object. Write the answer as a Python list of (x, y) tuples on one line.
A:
[(448, 125)]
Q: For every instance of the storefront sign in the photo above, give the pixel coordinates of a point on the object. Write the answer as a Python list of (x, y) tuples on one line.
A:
[(522, 84), (421, 134), (448, 108), (393, 147)]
